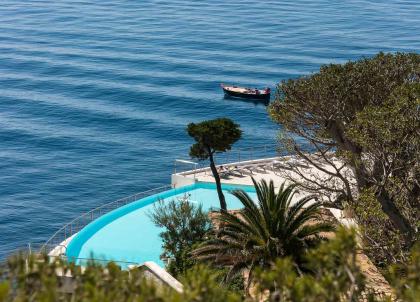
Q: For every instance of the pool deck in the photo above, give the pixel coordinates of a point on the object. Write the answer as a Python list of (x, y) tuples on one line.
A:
[(276, 169)]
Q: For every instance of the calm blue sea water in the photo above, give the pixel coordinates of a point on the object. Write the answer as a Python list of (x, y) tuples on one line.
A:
[(95, 95)]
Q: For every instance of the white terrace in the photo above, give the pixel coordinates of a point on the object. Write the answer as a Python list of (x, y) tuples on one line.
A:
[(278, 169)]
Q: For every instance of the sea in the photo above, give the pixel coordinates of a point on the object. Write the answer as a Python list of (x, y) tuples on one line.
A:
[(95, 95)]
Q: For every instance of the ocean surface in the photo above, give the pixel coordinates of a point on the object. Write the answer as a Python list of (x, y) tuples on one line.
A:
[(95, 95)]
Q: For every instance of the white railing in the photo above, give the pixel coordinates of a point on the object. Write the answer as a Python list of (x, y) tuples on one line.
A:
[(228, 157), (231, 156), (81, 221)]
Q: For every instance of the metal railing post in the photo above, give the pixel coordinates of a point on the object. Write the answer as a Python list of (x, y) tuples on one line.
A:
[(67, 230)]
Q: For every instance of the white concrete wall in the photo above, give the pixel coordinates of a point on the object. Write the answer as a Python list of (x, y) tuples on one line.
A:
[(154, 272), (179, 180), (61, 249)]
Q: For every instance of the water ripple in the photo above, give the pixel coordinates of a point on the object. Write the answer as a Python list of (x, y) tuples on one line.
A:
[(95, 95)]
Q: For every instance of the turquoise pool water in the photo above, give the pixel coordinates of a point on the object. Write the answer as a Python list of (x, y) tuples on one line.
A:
[(127, 233), (91, 90)]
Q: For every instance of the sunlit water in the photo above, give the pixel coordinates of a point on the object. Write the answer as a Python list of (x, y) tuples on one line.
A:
[(95, 95)]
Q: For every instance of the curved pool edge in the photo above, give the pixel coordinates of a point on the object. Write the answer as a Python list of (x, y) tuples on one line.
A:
[(75, 245)]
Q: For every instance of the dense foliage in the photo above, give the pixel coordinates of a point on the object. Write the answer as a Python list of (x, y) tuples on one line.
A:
[(213, 136), (366, 113), (35, 279), (334, 276), (406, 277), (184, 226), (260, 233)]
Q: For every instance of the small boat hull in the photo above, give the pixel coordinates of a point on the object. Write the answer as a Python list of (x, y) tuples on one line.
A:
[(247, 93), (262, 97)]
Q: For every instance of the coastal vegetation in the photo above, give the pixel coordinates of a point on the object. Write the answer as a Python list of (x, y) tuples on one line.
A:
[(184, 227), (259, 233), (334, 276), (366, 114), (363, 113), (210, 137)]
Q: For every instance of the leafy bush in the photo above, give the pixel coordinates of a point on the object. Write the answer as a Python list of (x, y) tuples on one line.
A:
[(332, 275), (263, 231), (185, 225), (381, 242), (36, 279), (335, 275), (406, 277), (365, 113), (203, 284)]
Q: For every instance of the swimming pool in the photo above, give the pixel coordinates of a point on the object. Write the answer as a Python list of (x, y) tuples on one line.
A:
[(127, 233)]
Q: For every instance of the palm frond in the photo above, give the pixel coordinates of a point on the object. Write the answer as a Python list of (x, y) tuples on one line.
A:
[(251, 214), (315, 229), (303, 215), (265, 229)]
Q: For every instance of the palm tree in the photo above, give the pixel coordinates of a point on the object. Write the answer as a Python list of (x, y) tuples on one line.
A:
[(263, 231)]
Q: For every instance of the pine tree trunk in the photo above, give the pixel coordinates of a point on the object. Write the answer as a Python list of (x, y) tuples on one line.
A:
[(362, 177), (218, 184), (397, 219)]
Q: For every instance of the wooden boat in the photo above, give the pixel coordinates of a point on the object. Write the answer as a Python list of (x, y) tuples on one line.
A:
[(246, 93)]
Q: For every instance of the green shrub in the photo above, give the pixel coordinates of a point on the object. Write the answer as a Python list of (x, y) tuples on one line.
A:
[(334, 275), (185, 225), (406, 277)]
